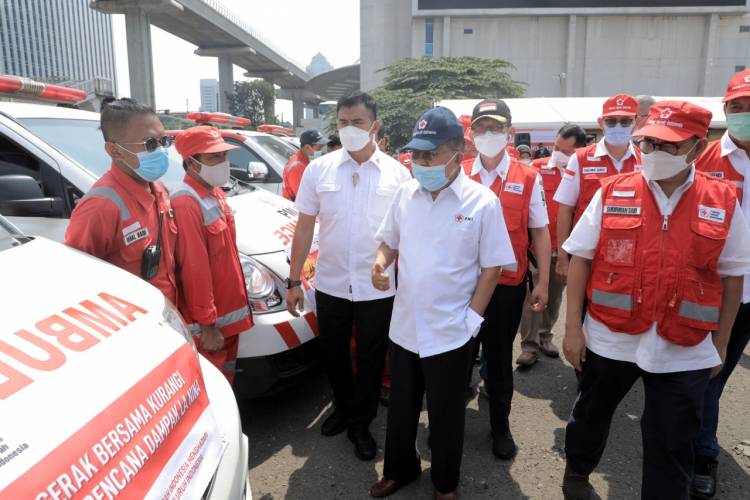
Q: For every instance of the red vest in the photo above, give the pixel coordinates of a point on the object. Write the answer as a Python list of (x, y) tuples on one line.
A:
[(651, 268), (715, 165), (515, 196), (551, 178), (592, 170)]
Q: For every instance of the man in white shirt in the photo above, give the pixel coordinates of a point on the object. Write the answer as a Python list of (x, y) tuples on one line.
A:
[(660, 254), (450, 238), (726, 158), (349, 191)]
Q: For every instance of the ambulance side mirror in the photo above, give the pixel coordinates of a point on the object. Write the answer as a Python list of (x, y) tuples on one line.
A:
[(21, 196), (257, 170)]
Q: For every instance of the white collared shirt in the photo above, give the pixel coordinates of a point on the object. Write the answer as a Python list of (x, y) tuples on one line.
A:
[(350, 201), (442, 245), (741, 163), (650, 351), (569, 189), (538, 216)]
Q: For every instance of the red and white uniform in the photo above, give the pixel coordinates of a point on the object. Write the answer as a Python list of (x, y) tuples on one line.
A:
[(585, 171), (119, 218), (723, 159), (519, 189), (551, 176), (211, 277), (650, 305), (293, 171)]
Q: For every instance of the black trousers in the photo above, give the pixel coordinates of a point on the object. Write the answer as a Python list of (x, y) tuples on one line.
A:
[(501, 321), (671, 420), (443, 378), (356, 396)]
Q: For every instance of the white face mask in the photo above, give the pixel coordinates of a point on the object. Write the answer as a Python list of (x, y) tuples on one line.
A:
[(660, 165), (618, 135), (489, 144), (558, 159), (354, 138), (215, 175)]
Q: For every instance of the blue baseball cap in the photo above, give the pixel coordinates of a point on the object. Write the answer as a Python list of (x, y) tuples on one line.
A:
[(434, 128)]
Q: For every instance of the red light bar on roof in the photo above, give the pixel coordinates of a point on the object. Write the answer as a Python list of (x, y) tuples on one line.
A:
[(223, 118), (31, 89), (275, 130)]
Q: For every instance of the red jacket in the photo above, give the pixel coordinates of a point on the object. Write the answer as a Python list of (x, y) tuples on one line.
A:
[(551, 177), (651, 268), (715, 165), (211, 278), (293, 171), (119, 218), (515, 197), (592, 170)]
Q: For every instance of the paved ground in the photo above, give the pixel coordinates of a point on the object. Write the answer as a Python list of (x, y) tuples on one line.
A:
[(290, 459)]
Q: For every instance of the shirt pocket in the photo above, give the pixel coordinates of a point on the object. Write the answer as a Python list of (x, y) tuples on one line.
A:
[(216, 236), (380, 201), (620, 240), (708, 243), (700, 302), (330, 198)]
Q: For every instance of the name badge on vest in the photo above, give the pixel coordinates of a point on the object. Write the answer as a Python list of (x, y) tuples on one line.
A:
[(711, 214), (718, 175), (620, 210), (514, 187), (548, 171), (594, 170), (136, 235)]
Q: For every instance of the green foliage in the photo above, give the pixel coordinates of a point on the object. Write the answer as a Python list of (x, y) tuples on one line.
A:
[(413, 85), (254, 100)]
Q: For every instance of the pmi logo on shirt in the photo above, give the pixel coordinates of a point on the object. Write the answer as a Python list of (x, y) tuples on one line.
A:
[(461, 218), (711, 214)]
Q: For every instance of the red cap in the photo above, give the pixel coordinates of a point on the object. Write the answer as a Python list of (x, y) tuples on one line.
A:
[(620, 105), (676, 121), (201, 139), (739, 86)]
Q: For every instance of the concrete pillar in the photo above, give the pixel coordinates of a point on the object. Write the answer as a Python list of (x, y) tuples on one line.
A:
[(570, 57), (709, 48), (446, 36), (298, 108), (226, 82), (140, 61)]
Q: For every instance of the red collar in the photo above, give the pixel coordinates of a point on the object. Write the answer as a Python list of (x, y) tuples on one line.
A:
[(133, 188)]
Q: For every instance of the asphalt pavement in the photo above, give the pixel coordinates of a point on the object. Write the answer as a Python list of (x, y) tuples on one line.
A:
[(290, 459)]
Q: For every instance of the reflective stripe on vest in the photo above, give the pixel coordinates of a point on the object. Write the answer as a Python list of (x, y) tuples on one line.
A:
[(621, 301), (233, 317), (697, 312), (210, 208), (111, 195)]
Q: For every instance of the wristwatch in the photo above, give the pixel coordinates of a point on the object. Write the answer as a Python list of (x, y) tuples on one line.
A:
[(292, 283)]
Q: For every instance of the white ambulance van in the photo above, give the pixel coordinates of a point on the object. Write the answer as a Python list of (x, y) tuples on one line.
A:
[(102, 392)]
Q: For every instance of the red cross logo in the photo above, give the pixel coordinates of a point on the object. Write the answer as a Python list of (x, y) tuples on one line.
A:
[(422, 124), (459, 218), (704, 212), (620, 101), (747, 79), (666, 113)]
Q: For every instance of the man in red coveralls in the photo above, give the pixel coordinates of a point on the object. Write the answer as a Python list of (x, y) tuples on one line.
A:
[(311, 148), (126, 218), (213, 298)]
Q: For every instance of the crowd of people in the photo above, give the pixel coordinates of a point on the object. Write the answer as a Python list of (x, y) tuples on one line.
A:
[(646, 228)]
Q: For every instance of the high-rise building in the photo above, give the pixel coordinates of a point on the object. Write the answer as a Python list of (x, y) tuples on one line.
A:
[(318, 64), (209, 95), (569, 48), (57, 41)]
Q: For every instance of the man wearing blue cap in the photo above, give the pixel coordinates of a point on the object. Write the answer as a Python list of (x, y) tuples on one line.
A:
[(449, 235)]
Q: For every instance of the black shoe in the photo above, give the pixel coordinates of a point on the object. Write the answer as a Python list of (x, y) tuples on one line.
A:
[(335, 424), (364, 444), (503, 446), (576, 486), (703, 484)]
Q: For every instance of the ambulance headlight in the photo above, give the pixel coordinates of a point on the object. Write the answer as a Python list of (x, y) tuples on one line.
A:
[(173, 319), (262, 287)]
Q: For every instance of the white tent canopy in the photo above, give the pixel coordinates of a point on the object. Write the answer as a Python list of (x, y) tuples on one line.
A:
[(545, 113)]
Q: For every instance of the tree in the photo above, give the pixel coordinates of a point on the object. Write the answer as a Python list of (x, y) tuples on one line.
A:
[(413, 85), (254, 100)]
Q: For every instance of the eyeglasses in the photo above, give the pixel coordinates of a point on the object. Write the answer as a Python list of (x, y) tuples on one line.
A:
[(623, 122), (152, 144), (495, 128), (428, 156), (649, 146)]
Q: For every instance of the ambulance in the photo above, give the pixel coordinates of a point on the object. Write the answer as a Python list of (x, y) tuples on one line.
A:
[(50, 156), (102, 392)]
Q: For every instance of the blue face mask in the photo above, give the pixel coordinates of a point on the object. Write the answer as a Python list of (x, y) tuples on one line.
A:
[(431, 178), (739, 126), (153, 165)]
